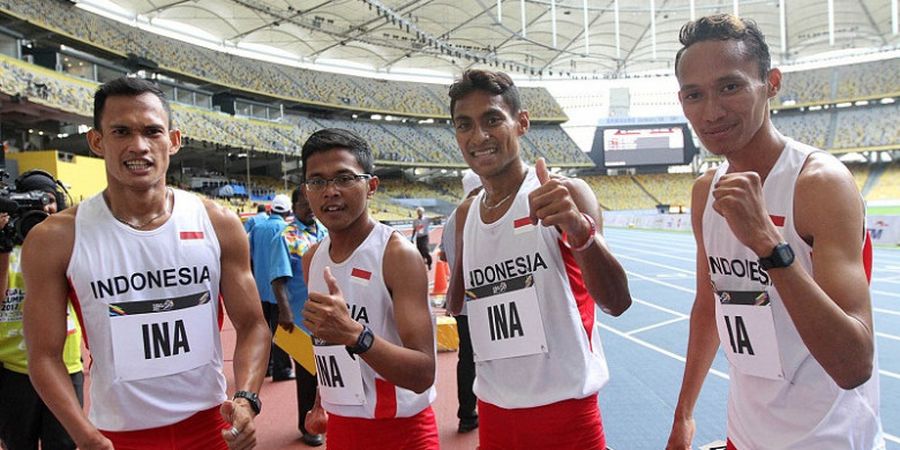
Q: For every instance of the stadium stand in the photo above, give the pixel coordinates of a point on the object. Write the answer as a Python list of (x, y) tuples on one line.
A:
[(273, 80)]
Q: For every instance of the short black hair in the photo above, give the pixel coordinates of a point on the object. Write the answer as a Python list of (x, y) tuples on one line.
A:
[(296, 194), (495, 83), (337, 138), (40, 180), (727, 27), (260, 208), (128, 87)]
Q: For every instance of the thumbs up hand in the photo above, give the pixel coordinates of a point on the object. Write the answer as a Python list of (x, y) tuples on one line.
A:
[(552, 205), (327, 315)]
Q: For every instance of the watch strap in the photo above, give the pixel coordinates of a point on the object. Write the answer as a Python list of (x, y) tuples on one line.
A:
[(252, 399)]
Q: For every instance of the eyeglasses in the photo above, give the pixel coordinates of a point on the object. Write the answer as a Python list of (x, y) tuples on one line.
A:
[(343, 181)]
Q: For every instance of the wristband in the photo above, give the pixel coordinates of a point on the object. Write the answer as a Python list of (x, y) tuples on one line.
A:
[(590, 239)]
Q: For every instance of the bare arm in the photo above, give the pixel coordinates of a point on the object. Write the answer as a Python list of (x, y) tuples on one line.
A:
[(238, 290), (560, 202), (831, 307), (45, 258), (456, 288), (411, 365), (703, 340)]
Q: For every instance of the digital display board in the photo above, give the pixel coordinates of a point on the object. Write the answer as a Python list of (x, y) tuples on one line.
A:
[(644, 145)]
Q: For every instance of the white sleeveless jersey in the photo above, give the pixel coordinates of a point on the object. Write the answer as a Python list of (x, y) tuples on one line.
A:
[(780, 397), (531, 318), (347, 385), (149, 306)]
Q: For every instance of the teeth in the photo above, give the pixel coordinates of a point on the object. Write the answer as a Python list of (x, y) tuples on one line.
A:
[(486, 151), (331, 208), (137, 164)]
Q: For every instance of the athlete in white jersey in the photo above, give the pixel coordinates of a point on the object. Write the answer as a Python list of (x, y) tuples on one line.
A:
[(148, 269), (367, 309), (533, 268), (782, 264)]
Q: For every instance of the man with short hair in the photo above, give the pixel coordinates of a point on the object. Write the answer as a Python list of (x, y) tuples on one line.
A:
[(368, 308), (533, 267), (263, 251), (291, 292), (148, 269), (252, 221), (421, 229), (25, 420), (783, 261)]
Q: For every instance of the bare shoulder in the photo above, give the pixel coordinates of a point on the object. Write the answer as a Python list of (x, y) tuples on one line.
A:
[(823, 171), (398, 249), (219, 215), (53, 239), (827, 200), (699, 194)]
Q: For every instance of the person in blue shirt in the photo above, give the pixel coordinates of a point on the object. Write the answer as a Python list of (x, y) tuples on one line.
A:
[(261, 216), (261, 250), (290, 291)]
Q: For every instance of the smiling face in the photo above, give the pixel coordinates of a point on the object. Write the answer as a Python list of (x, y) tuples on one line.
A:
[(722, 94), (135, 141), (338, 208), (487, 132)]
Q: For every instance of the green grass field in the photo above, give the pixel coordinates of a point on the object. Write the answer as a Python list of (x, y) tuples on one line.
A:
[(893, 210)]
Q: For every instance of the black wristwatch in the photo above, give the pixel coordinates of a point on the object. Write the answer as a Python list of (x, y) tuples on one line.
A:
[(253, 399), (363, 342), (782, 256)]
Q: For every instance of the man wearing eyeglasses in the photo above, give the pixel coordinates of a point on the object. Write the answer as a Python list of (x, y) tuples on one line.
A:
[(367, 308)]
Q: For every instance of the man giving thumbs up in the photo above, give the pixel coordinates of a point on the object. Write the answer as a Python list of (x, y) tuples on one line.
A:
[(367, 308), (532, 267)]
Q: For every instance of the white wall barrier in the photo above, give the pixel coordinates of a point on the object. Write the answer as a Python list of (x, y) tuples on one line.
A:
[(884, 229)]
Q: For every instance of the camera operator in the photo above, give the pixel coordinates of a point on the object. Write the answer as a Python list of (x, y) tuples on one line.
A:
[(24, 419)]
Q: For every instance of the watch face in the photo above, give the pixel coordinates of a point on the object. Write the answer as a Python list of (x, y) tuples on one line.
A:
[(368, 339)]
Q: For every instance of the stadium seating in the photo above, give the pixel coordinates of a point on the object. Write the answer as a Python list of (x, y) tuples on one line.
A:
[(274, 80)]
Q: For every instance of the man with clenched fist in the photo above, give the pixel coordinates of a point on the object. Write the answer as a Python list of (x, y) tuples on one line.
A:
[(783, 262)]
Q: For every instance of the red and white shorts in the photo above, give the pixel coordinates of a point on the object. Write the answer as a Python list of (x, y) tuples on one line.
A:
[(202, 430), (418, 432), (565, 425)]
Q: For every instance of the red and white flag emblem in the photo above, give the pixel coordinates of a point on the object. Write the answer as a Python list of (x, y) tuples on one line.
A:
[(189, 235), (522, 225), (360, 276), (777, 220)]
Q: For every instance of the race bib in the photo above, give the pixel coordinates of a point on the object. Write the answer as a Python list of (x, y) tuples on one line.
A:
[(507, 324), (154, 338), (747, 332), (340, 376)]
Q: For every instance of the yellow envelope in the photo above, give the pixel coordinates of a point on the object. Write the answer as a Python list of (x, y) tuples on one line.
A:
[(299, 345)]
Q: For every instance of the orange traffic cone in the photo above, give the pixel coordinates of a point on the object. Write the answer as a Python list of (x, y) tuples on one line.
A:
[(441, 278)]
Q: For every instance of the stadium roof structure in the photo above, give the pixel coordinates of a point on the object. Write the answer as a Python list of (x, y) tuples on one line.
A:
[(529, 38)]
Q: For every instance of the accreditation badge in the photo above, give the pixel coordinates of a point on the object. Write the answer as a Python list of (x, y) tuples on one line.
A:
[(506, 324), (154, 338), (340, 375), (746, 329)]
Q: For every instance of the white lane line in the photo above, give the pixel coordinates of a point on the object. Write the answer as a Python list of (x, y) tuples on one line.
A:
[(887, 336), (661, 308), (662, 283), (889, 373), (652, 263), (662, 351), (889, 294), (656, 325), (887, 311)]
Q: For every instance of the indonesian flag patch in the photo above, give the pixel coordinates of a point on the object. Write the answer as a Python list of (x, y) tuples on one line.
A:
[(190, 235), (360, 276), (777, 220), (522, 225)]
